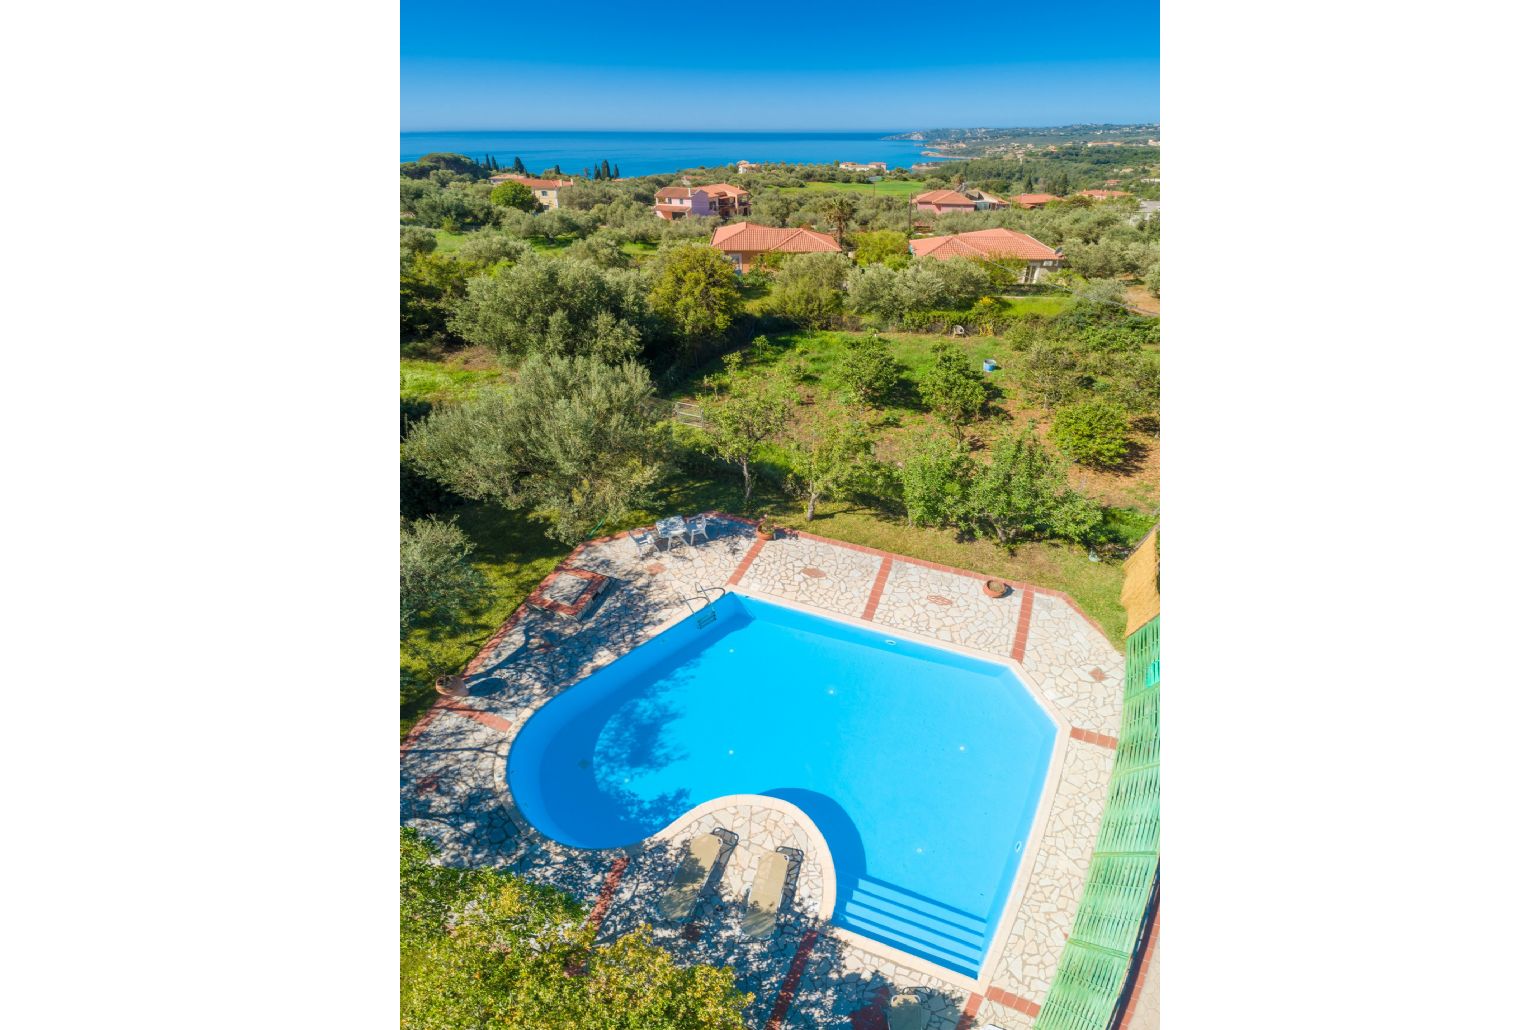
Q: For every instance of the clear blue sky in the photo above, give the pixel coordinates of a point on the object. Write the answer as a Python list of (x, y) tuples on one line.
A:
[(885, 64)]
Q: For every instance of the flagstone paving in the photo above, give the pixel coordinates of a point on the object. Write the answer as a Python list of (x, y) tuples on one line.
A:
[(807, 974)]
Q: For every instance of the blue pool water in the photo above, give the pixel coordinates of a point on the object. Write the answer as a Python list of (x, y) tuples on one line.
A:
[(922, 767)]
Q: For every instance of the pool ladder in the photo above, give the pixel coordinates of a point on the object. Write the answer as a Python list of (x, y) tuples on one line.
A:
[(705, 615)]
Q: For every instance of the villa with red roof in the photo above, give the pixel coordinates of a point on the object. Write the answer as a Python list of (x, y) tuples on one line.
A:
[(1032, 200), (745, 243), (546, 191), (992, 245), (1103, 194), (719, 198), (943, 202)]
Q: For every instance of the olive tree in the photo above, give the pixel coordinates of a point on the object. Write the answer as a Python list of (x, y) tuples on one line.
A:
[(574, 441), (550, 306), (809, 289), (483, 948), (830, 457), (754, 409), (438, 581)]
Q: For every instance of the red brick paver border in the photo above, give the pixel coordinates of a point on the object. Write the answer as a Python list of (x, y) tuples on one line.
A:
[(1014, 1001), (487, 719), (1099, 739), (971, 1009), (607, 892), (743, 566), (793, 977), (877, 587), (1023, 627)]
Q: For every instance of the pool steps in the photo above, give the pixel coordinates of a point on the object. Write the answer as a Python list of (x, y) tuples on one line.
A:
[(931, 930)]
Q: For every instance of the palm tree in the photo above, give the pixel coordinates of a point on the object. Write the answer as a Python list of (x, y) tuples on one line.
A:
[(839, 208)]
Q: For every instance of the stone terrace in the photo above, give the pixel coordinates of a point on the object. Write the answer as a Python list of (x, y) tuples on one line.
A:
[(807, 974)]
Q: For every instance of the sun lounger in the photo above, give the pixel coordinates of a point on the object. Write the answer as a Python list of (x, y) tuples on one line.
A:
[(905, 1013), (768, 889), (702, 858)]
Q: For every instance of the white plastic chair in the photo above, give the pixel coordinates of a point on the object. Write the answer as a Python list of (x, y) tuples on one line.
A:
[(643, 540), (697, 528)]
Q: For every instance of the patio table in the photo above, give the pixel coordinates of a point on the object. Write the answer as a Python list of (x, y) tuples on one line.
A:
[(671, 529)]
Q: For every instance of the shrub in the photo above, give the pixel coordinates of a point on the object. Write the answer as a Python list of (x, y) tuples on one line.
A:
[(1094, 433), (865, 369), (934, 477), (950, 387), (1024, 492)]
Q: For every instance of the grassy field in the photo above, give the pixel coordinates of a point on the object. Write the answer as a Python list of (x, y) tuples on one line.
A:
[(1038, 304), (885, 188), (435, 381)]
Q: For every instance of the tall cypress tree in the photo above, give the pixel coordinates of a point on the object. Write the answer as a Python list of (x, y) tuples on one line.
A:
[(616, 172), (605, 168), (518, 165)]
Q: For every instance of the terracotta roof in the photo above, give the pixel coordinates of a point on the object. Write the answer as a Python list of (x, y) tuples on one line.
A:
[(1104, 194), (722, 189), (1033, 198), (671, 211), (746, 236), (681, 192), (534, 184), (984, 243), (943, 197)]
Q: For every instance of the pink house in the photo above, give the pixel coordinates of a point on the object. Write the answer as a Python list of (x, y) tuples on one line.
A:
[(719, 198), (673, 202)]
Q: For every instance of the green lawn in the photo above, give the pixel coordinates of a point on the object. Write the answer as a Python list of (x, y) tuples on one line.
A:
[(885, 188), (423, 380), (448, 242), (1038, 304)]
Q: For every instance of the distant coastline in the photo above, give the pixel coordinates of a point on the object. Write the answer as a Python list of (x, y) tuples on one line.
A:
[(651, 153)]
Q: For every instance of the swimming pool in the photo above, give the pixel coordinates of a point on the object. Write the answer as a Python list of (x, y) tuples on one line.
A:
[(922, 767)]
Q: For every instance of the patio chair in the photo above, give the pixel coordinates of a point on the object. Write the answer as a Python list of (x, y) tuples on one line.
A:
[(703, 860), (776, 871), (644, 539), (697, 528)]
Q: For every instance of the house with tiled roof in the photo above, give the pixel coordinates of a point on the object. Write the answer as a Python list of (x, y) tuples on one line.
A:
[(1032, 200), (746, 244), (992, 245), (1103, 194), (942, 202), (719, 198), (547, 191)]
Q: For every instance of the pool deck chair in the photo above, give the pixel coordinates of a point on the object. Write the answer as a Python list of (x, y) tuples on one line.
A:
[(644, 541), (768, 891), (703, 859), (905, 1013)]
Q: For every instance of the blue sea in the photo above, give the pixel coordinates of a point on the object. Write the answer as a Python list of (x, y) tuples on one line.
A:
[(649, 153)]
